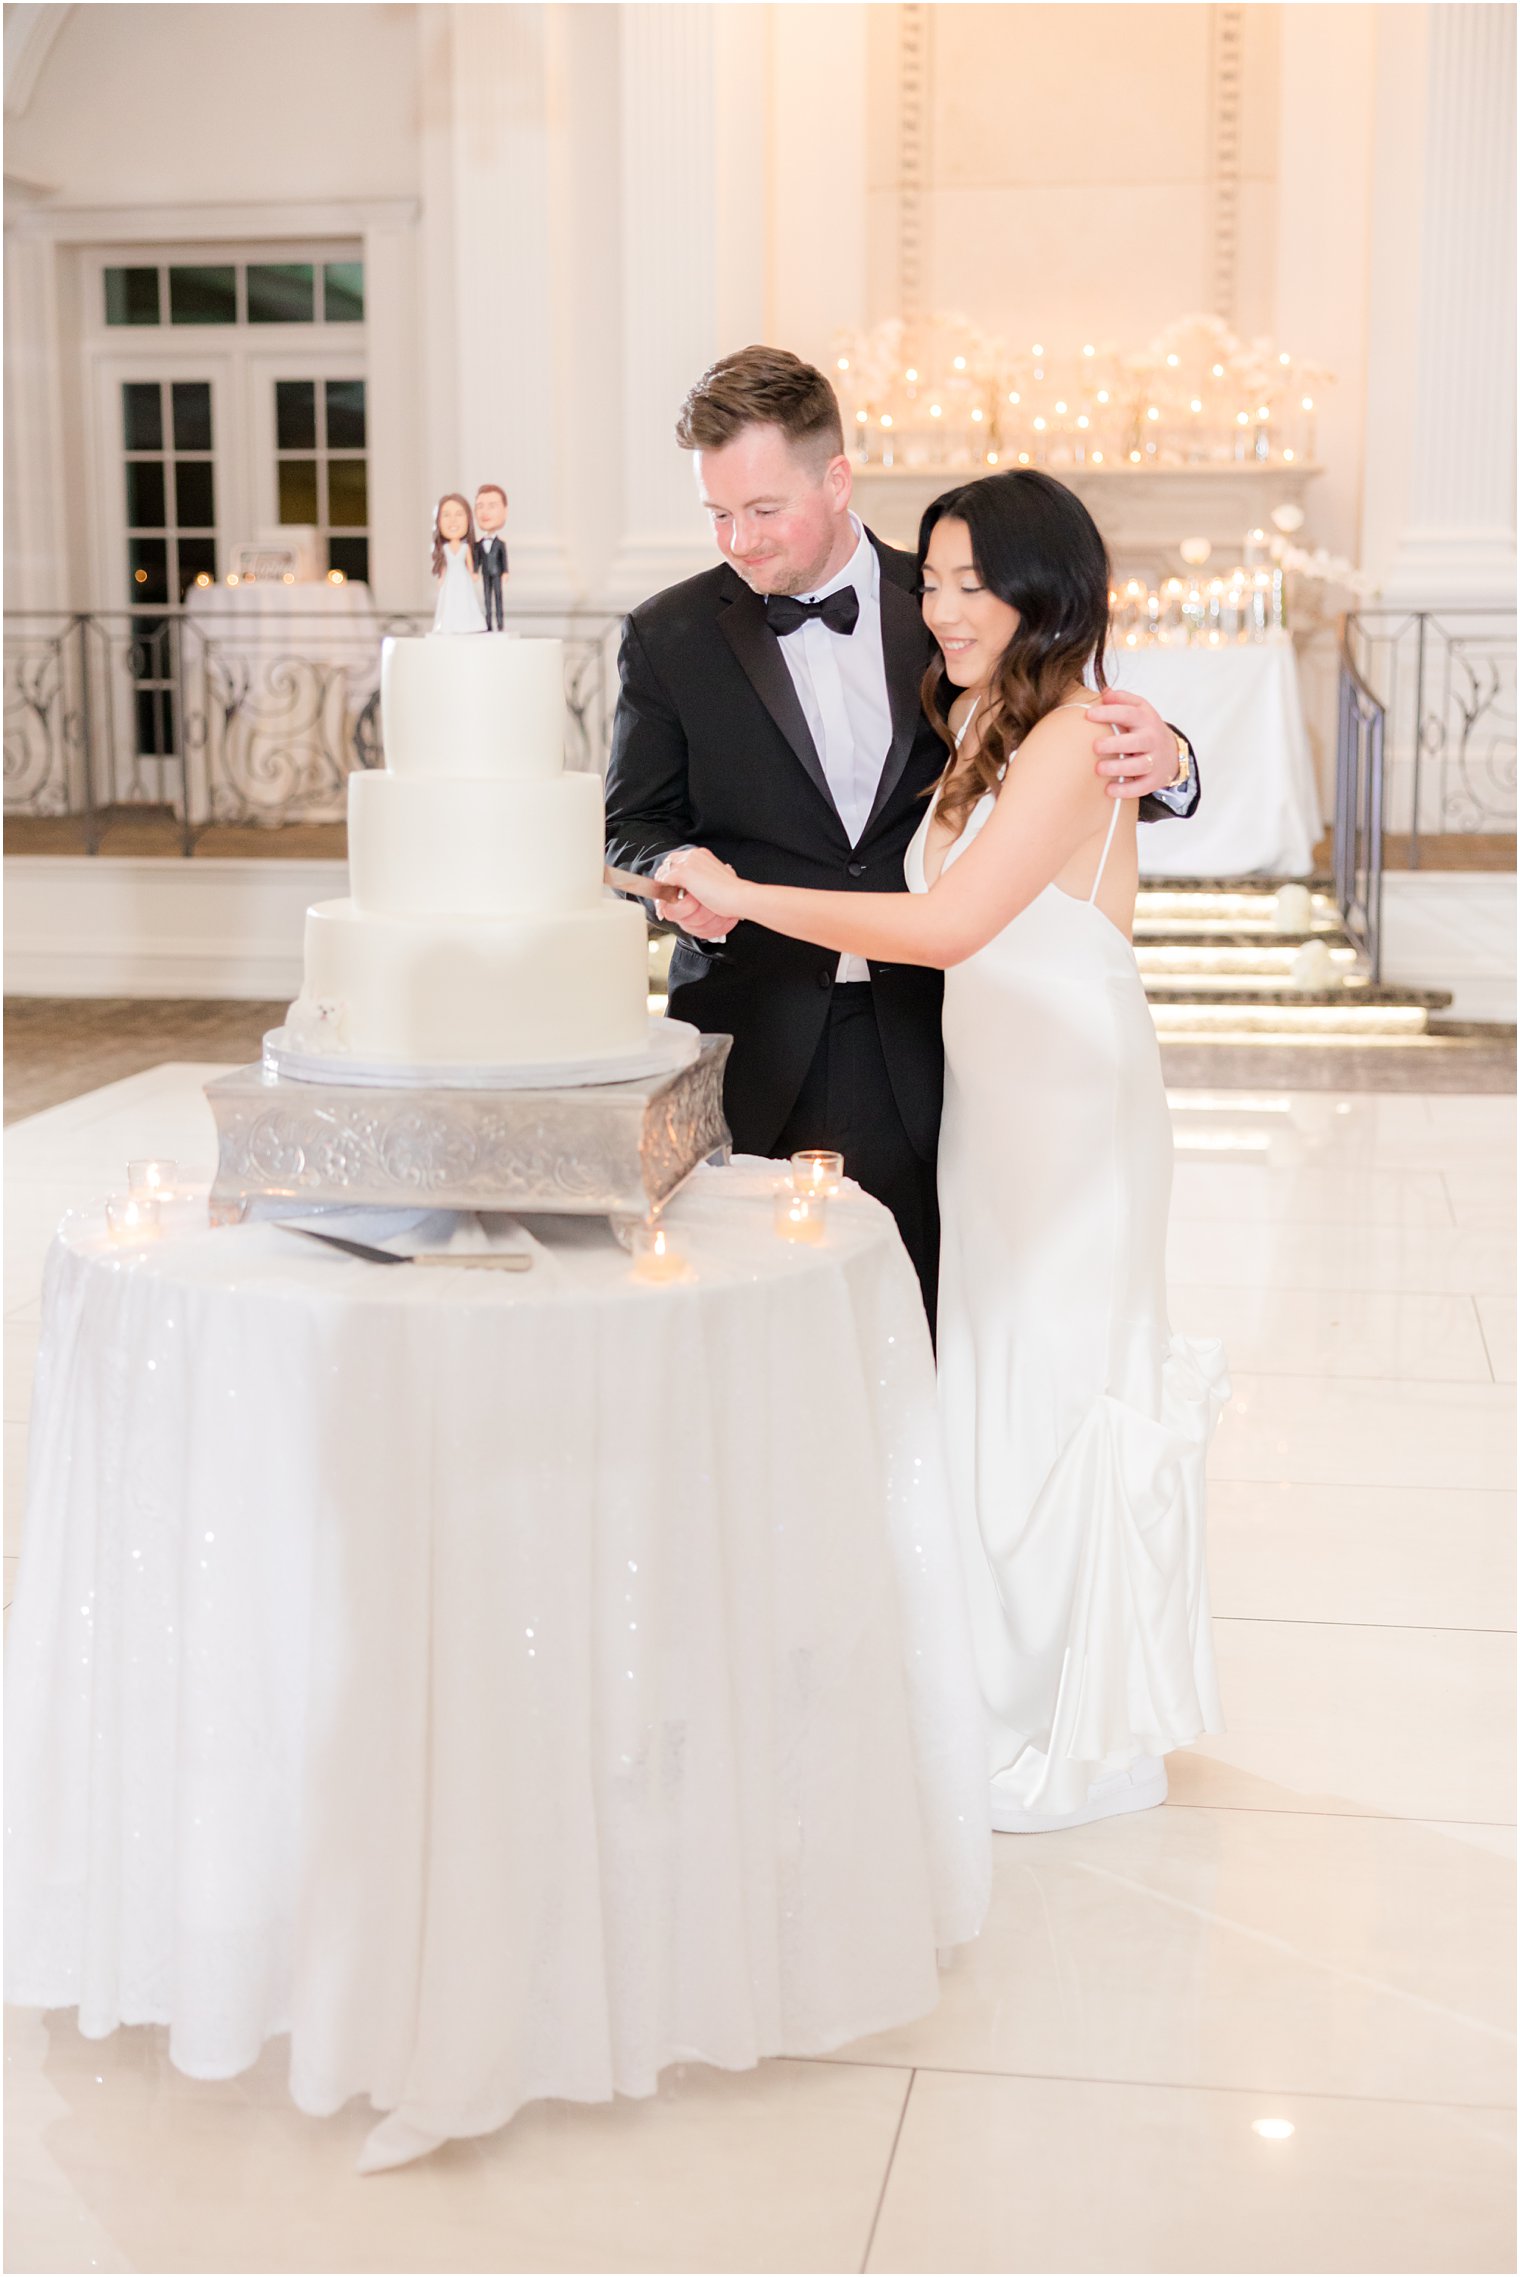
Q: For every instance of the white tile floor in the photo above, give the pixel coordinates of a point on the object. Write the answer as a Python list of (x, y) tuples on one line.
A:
[(1317, 1930), (1453, 929)]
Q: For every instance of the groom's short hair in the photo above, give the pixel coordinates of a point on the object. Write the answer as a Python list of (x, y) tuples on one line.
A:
[(763, 387)]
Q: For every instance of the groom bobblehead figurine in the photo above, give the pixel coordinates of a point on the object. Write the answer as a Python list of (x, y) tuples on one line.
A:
[(769, 709), (491, 550)]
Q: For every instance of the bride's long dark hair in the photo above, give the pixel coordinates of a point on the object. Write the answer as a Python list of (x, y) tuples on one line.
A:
[(1036, 547)]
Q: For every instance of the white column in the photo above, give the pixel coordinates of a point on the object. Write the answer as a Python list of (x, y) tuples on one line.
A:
[(36, 478), (693, 236), (488, 301), (1441, 457), (399, 504), (819, 249)]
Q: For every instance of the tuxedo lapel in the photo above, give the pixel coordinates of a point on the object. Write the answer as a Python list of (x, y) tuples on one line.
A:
[(904, 655), (759, 652)]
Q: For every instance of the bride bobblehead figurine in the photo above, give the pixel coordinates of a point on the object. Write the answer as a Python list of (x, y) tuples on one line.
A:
[(458, 609)]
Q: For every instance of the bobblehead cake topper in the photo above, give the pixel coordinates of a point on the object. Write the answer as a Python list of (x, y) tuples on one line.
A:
[(458, 607), (491, 549)]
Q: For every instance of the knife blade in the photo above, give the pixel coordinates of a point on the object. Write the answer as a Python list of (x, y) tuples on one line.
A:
[(501, 1260), (646, 889)]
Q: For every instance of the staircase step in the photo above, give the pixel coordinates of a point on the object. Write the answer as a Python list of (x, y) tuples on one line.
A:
[(1351, 996), (1192, 1020)]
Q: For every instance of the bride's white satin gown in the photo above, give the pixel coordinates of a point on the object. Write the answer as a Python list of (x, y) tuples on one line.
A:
[(1076, 1424)]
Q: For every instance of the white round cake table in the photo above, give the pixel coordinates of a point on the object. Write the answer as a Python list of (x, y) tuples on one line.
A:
[(506, 1684)]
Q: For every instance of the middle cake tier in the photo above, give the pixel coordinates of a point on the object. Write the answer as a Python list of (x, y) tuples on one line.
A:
[(472, 846)]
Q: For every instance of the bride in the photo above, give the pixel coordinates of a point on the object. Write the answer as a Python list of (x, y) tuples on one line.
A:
[(1075, 1423)]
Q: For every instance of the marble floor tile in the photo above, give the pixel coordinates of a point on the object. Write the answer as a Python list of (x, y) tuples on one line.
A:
[(20, 1363), (1346, 1956), (1409, 1723), (1439, 1259), (15, 1444), (1246, 1186), (776, 2169), (1482, 1198), (1337, 1332), (1014, 2174), (1286, 1551), (1366, 1431), (1497, 1316)]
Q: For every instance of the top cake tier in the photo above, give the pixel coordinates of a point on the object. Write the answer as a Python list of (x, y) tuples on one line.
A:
[(483, 704)]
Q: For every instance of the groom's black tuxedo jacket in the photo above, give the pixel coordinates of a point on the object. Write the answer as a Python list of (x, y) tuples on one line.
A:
[(710, 747)]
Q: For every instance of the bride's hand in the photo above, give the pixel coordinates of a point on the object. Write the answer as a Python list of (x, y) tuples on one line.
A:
[(707, 880)]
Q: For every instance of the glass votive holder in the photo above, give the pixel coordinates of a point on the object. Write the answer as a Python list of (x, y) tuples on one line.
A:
[(655, 1255), (151, 1174), (817, 1170), (799, 1215), (132, 1219)]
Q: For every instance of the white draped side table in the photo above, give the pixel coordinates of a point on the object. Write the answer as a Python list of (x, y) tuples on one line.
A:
[(505, 1684)]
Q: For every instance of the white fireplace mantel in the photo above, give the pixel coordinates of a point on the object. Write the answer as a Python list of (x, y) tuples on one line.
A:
[(1144, 513)]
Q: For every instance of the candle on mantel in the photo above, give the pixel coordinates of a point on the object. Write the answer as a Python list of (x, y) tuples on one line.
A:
[(152, 1174), (817, 1170), (132, 1219), (656, 1257), (800, 1216)]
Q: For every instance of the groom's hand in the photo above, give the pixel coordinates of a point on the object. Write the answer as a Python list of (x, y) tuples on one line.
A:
[(691, 915), (1138, 756)]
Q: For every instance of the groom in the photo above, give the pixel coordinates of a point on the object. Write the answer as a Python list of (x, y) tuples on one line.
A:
[(769, 710)]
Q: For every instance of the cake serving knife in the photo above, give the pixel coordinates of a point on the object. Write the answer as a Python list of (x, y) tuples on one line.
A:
[(643, 889), (501, 1260)]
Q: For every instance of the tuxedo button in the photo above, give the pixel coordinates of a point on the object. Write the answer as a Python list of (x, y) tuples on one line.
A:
[(825, 978), (857, 869)]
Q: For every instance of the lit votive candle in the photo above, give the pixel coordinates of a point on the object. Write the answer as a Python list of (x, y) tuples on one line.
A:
[(800, 1216), (817, 1171), (656, 1257), (151, 1175), (132, 1219)]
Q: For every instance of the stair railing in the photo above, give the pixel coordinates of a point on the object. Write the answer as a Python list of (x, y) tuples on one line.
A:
[(1359, 752)]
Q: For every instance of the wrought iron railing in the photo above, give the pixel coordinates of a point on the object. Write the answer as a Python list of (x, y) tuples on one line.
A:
[(1425, 746), (222, 717)]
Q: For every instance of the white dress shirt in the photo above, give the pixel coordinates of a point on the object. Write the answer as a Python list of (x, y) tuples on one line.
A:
[(841, 683)]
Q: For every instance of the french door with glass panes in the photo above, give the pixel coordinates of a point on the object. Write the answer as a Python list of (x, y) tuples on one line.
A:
[(167, 506), (310, 427)]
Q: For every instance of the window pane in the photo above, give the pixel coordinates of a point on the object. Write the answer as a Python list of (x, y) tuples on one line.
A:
[(298, 490), (142, 416), (155, 723), (145, 494), (280, 292), (203, 296), (351, 555), (148, 656), (192, 415), (193, 507), (131, 296), (295, 414), (345, 415), (197, 558), (343, 292), (347, 494), (148, 564)]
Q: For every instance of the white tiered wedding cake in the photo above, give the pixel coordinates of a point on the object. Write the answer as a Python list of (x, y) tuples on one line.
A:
[(476, 932)]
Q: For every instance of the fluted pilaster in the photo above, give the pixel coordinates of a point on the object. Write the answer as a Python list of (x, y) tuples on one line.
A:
[(1458, 540)]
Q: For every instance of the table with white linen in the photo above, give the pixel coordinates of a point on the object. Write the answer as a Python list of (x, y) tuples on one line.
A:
[(506, 1684), (1239, 707), (276, 677)]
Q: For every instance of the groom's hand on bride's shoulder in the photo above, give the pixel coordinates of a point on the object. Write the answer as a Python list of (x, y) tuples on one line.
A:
[(1138, 754), (691, 915)]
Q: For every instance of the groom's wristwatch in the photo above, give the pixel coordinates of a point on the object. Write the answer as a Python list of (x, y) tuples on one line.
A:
[(1184, 763)]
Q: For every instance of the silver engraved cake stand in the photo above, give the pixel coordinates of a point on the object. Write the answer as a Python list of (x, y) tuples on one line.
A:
[(615, 1150)]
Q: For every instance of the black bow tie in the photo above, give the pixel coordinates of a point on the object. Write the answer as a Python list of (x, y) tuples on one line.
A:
[(839, 611)]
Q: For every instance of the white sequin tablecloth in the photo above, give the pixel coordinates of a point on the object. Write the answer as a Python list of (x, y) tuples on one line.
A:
[(507, 1685)]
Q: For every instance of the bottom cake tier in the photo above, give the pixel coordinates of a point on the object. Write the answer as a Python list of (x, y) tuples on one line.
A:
[(420, 991)]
